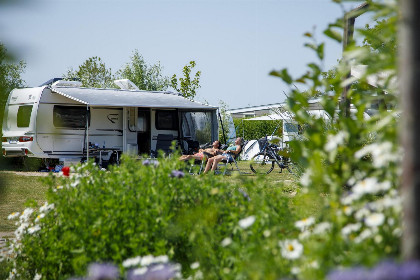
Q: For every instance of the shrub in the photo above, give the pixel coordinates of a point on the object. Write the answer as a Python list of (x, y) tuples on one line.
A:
[(256, 129), (152, 208), (354, 161)]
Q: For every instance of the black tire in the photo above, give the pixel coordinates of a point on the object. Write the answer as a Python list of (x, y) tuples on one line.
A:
[(262, 164)]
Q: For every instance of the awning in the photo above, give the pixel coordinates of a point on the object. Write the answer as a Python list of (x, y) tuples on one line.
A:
[(125, 98)]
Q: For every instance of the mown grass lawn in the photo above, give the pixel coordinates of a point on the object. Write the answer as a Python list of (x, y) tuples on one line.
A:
[(16, 190)]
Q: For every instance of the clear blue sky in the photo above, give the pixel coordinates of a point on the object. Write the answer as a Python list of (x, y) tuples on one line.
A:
[(234, 43)]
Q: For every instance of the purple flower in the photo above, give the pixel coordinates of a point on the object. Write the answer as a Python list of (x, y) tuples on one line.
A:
[(148, 162), (357, 273), (103, 271), (386, 270), (246, 196), (177, 174), (409, 271)]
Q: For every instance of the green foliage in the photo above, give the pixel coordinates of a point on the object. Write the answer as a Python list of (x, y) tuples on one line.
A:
[(380, 36), (92, 73), (10, 76), (188, 86), (353, 161), (226, 119), (139, 209), (144, 76), (257, 129)]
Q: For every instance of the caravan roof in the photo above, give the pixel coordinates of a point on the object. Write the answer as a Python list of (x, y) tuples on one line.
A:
[(125, 98)]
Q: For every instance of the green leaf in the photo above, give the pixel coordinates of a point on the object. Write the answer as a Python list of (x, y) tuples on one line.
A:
[(333, 35), (320, 51), (283, 74)]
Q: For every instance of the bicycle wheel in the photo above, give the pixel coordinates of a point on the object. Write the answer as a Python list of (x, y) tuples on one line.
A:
[(262, 164)]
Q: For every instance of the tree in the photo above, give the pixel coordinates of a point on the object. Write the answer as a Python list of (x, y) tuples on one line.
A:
[(10, 76), (384, 32), (145, 77), (92, 73), (187, 87), (409, 84)]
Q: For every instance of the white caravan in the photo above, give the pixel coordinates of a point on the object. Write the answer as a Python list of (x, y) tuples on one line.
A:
[(69, 123)]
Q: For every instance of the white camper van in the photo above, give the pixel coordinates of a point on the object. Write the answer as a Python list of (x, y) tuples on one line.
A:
[(65, 122)]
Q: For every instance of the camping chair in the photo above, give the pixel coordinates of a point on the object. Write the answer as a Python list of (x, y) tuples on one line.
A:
[(164, 143), (200, 164), (233, 164)]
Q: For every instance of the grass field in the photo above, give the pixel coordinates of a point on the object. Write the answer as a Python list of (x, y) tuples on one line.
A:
[(16, 190)]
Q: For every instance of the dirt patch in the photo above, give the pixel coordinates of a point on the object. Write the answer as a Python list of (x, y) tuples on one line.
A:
[(24, 173), (6, 234)]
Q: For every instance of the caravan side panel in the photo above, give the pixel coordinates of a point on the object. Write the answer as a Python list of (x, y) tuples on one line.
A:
[(54, 139), (19, 123), (61, 126)]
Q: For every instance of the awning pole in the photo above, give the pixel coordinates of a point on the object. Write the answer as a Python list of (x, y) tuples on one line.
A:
[(87, 133), (223, 130)]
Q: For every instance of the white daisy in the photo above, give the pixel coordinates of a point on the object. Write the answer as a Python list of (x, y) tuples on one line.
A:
[(321, 228), (347, 210), (147, 260), (363, 235), (140, 271), (350, 228), (195, 265), (226, 242), (14, 215), (314, 264), (335, 140), (26, 214), (131, 262), (39, 217), (161, 259), (295, 270), (305, 179), (304, 235), (367, 185), (378, 238), (375, 220), (349, 199), (46, 207), (34, 229), (291, 249), (304, 223), (20, 230), (247, 222), (362, 213)]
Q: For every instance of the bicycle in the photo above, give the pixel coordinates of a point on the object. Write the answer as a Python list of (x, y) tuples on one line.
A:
[(271, 154)]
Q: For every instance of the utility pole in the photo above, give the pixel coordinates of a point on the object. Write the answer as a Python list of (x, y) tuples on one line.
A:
[(409, 83), (349, 19)]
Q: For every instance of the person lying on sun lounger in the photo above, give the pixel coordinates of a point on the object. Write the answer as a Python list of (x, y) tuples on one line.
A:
[(226, 155), (200, 155)]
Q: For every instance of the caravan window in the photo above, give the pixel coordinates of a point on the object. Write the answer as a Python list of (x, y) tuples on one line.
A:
[(167, 120), (197, 125), (69, 116), (290, 127), (24, 115)]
